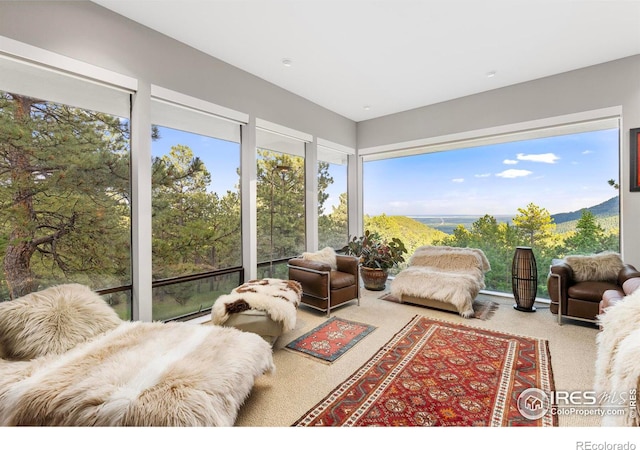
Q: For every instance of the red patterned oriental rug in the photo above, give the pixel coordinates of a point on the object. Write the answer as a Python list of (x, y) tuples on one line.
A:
[(332, 339), (436, 373)]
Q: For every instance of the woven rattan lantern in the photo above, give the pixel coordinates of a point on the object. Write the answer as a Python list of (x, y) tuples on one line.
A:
[(524, 279)]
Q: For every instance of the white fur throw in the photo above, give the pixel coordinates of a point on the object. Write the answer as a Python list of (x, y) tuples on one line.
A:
[(618, 359), (450, 258), (278, 298), (603, 266), (451, 275), (53, 320), (139, 374), (327, 255), (456, 288)]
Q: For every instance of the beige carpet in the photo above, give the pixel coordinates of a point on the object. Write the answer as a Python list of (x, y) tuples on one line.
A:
[(299, 383)]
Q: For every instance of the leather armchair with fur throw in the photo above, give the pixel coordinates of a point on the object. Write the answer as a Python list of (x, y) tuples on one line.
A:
[(577, 283), (328, 280)]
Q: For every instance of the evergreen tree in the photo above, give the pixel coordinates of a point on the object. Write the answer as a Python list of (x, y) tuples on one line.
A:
[(333, 229), (535, 224), (65, 195), (589, 237)]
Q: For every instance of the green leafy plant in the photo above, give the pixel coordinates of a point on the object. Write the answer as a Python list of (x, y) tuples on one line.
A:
[(375, 252)]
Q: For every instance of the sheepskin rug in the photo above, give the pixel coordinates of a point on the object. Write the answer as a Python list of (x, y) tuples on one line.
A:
[(603, 266), (53, 320), (451, 275), (327, 255), (278, 298), (455, 259), (618, 360), (138, 374)]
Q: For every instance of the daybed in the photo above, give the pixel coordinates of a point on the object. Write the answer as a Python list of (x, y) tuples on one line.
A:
[(68, 360), (442, 277)]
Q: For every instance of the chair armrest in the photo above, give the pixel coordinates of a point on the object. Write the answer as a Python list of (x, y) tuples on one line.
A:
[(562, 269), (347, 264), (313, 276), (627, 272), (315, 266), (558, 282)]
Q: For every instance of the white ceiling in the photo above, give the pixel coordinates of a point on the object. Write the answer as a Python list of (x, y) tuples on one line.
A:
[(365, 58)]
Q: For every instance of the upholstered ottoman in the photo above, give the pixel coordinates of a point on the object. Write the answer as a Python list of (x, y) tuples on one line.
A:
[(267, 307)]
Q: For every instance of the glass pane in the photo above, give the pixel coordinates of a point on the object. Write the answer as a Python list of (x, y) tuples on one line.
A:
[(121, 302), (557, 195), (189, 297), (196, 204), (281, 205), (65, 197), (333, 224)]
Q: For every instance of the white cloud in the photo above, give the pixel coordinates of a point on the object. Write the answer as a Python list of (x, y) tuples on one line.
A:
[(514, 173), (510, 161), (587, 152), (398, 204), (548, 158), (458, 180), (482, 175)]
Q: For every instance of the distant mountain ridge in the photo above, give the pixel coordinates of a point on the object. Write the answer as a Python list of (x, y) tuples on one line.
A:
[(607, 208)]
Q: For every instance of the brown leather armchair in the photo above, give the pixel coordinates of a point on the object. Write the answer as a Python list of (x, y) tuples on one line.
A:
[(580, 300), (322, 288)]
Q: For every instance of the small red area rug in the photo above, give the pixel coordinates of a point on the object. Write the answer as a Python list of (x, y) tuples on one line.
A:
[(332, 339), (436, 373)]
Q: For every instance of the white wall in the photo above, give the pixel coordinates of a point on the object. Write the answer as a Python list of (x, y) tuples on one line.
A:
[(90, 33), (614, 85)]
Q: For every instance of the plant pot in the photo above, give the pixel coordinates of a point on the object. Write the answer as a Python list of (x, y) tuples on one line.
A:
[(374, 279)]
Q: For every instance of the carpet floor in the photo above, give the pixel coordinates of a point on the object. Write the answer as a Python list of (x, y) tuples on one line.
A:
[(300, 383), (440, 373)]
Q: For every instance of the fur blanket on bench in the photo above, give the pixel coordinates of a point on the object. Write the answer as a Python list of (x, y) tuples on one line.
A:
[(278, 298), (139, 374), (68, 360), (451, 275)]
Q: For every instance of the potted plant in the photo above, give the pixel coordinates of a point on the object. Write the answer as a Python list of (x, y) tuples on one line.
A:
[(376, 256)]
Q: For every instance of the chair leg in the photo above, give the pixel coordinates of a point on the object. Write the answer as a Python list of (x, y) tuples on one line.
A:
[(328, 296)]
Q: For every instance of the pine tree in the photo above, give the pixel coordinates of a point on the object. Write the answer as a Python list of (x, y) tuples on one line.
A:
[(589, 237), (62, 169), (535, 224)]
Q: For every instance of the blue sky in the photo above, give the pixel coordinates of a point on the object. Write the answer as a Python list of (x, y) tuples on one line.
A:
[(222, 158), (561, 174)]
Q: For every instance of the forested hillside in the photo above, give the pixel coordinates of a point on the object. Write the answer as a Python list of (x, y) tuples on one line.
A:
[(610, 208), (594, 230), (412, 233)]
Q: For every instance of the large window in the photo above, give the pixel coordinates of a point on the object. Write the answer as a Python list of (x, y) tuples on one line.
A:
[(65, 175), (196, 209), (280, 202), (333, 223), (556, 194)]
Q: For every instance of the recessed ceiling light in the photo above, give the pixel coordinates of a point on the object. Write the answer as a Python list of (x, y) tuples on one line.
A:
[(366, 107), (491, 74), (287, 62)]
